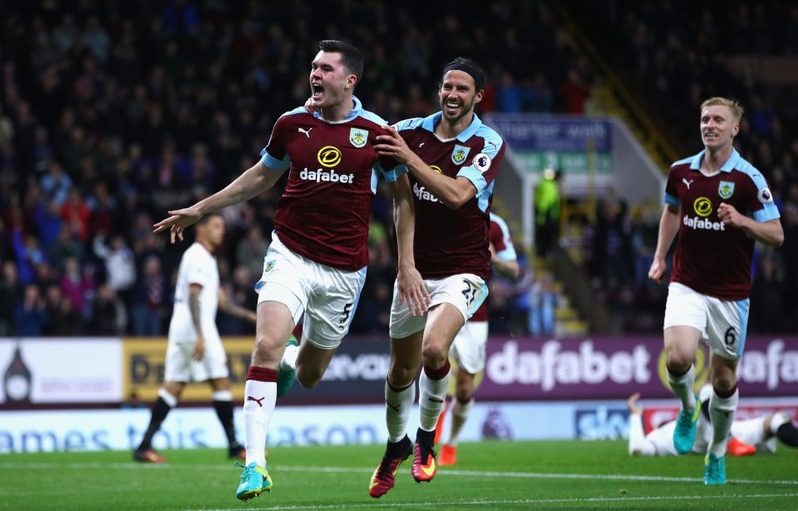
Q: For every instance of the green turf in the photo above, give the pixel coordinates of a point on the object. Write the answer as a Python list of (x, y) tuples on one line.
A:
[(489, 476)]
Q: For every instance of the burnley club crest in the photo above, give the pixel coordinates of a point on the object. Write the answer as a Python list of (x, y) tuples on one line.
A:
[(725, 189), (358, 137)]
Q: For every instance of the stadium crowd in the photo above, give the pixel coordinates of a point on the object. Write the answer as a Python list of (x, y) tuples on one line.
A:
[(111, 113), (679, 68)]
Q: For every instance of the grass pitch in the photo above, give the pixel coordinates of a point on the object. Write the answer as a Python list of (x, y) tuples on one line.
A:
[(488, 476)]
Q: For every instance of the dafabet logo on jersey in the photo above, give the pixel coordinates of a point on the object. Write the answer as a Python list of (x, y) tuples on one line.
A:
[(423, 194), (328, 157), (703, 208)]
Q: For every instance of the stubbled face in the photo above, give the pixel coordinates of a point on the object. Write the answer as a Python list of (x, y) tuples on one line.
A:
[(458, 95), (718, 126), (329, 80)]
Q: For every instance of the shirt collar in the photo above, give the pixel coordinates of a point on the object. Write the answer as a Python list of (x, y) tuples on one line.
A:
[(728, 166), (357, 109), (431, 121)]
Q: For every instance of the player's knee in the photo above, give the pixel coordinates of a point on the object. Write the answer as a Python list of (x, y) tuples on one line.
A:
[(464, 393), (723, 384), (402, 374), (434, 355), (679, 362), (265, 351)]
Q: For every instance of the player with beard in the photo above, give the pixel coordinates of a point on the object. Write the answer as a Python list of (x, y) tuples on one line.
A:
[(316, 263), (453, 159)]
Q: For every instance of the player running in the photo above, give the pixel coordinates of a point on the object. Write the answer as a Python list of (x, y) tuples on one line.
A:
[(316, 263), (468, 348), (453, 159), (720, 205)]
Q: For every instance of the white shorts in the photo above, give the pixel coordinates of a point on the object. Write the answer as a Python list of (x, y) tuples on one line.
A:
[(752, 432), (661, 438), (468, 348), (179, 365), (722, 323), (465, 291), (328, 296)]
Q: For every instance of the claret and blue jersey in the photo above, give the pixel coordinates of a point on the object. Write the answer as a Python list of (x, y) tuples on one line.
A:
[(449, 242), (325, 209), (712, 258)]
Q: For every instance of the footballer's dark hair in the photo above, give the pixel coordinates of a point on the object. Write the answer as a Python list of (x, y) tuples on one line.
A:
[(204, 219), (350, 55), (468, 66)]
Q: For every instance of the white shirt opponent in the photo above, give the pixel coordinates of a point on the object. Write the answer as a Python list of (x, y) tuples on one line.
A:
[(197, 266)]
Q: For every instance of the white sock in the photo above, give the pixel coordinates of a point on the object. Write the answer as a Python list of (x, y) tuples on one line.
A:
[(289, 357), (433, 394), (397, 410), (222, 395), (721, 411), (167, 397), (682, 387), (259, 399), (460, 414)]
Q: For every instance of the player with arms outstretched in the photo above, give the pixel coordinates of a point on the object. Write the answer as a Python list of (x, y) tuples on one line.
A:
[(316, 263)]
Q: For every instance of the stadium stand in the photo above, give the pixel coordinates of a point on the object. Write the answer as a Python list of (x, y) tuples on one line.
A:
[(112, 113)]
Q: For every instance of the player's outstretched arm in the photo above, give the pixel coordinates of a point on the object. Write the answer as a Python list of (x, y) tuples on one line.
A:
[(411, 286), (668, 227), (769, 233), (452, 192), (250, 183)]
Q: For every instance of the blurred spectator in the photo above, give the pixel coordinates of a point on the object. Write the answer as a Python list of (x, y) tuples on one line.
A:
[(547, 211), (65, 246), (11, 295), (28, 255), (542, 306), (108, 313), (76, 287), (251, 250), (62, 321), (611, 244), (75, 215), (575, 92), (30, 317), (120, 265), (150, 299), (767, 297), (48, 220)]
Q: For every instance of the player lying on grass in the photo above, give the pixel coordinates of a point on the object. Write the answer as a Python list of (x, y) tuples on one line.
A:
[(748, 436)]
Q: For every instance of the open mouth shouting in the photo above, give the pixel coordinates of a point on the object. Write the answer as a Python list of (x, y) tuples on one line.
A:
[(317, 92)]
